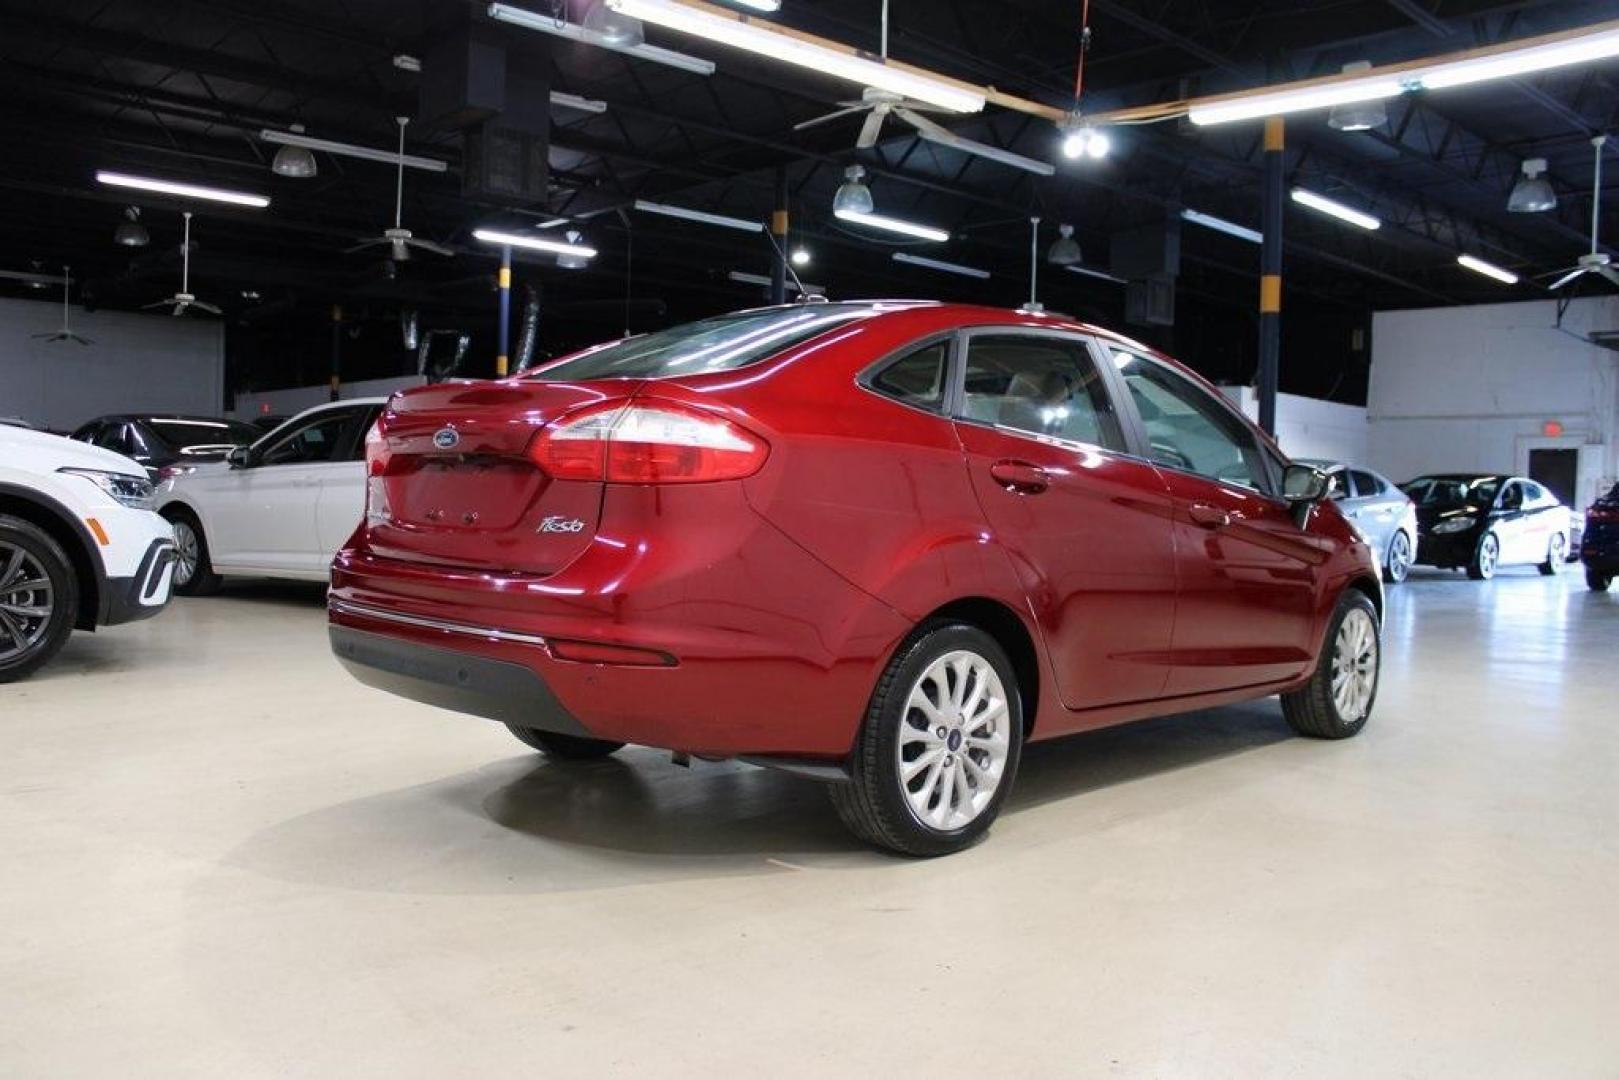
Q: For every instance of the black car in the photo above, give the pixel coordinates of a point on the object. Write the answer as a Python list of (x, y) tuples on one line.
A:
[(1480, 521), (1599, 550), (158, 441)]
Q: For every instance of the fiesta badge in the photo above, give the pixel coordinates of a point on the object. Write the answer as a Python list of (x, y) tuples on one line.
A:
[(446, 438)]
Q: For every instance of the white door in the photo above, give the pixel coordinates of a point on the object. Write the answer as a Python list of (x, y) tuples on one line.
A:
[(342, 493)]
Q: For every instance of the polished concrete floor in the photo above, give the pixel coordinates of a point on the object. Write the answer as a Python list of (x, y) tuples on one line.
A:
[(223, 858)]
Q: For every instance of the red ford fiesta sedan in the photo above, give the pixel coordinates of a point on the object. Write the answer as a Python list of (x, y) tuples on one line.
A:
[(882, 544)]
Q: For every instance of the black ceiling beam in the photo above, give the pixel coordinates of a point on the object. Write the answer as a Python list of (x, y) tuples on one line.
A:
[(1423, 17)]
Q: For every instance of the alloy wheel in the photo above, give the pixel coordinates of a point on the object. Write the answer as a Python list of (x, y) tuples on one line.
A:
[(1354, 666), (27, 601), (1489, 549), (1556, 554), (1399, 557), (185, 553), (953, 741)]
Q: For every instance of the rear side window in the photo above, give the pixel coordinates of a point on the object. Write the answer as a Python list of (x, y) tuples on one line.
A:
[(1367, 484), (918, 378), (1039, 385), (719, 344)]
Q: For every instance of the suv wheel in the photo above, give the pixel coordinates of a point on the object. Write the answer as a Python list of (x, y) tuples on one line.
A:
[(1485, 558), (193, 572), (940, 744), (1337, 700), (1556, 552), (39, 598)]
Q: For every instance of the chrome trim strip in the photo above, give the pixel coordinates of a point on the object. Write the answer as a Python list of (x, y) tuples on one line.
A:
[(344, 607)]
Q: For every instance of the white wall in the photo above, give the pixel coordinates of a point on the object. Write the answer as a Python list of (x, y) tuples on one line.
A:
[(1309, 427), (296, 400), (1472, 388), (138, 363)]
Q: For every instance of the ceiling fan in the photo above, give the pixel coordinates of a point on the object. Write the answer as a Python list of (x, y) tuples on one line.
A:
[(66, 333), (399, 238), (1597, 262), (183, 300)]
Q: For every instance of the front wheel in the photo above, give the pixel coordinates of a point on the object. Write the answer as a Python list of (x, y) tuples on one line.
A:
[(564, 747), (1398, 563), (940, 744), (39, 598), (193, 572), (1556, 552), (1597, 582), (1486, 556), (1338, 699)]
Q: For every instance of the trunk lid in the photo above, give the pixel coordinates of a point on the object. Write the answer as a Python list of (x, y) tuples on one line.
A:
[(460, 489)]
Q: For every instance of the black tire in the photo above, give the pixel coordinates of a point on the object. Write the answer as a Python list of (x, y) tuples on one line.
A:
[(201, 581), (1556, 552), (874, 804), (1396, 570), (564, 747), (1486, 558), (1313, 710), (39, 598), (1597, 582)]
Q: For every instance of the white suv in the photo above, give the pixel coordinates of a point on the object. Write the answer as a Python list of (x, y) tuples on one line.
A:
[(80, 546)]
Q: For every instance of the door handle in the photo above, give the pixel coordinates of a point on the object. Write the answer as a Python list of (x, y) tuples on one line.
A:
[(1209, 517), (1020, 476)]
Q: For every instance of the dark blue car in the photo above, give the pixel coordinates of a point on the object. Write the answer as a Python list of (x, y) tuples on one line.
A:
[(1599, 551)]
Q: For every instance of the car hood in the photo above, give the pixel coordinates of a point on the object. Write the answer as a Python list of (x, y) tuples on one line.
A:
[(50, 452)]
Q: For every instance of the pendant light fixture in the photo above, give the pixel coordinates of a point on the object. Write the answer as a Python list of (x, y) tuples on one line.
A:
[(1064, 250), (1358, 115), (294, 161), (853, 197), (130, 232), (1533, 193)]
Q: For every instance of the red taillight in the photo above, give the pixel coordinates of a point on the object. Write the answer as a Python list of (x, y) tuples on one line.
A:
[(376, 451), (656, 442)]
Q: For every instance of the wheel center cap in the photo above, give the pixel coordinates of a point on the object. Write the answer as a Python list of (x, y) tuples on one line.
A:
[(954, 741)]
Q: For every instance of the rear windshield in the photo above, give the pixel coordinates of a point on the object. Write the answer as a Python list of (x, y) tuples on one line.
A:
[(195, 434), (723, 343), (1448, 491)]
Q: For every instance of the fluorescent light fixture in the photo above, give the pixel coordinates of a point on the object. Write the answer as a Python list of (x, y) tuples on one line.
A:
[(552, 223), (1523, 61), (184, 191), (1281, 102), (407, 62), (533, 243), (940, 264), (1489, 270), (702, 216), (342, 149), (742, 277), (890, 224), (574, 101), (739, 31), (1335, 209), (766, 6), (1218, 224), (532, 20), (1088, 272)]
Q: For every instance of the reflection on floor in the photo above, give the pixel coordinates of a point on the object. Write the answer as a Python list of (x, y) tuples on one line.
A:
[(225, 858)]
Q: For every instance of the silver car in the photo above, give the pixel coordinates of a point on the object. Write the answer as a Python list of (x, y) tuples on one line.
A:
[(1379, 509)]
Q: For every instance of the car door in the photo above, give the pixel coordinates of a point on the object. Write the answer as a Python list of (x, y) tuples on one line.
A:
[(342, 489), (1247, 572), (1543, 519), (1512, 525), (1377, 510), (1085, 523)]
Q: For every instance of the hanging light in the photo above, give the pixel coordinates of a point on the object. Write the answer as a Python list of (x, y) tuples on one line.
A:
[(618, 30), (800, 256), (1358, 115), (294, 161), (130, 232), (1064, 250), (1080, 139), (572, 260), (1533, 193), (854, 197)]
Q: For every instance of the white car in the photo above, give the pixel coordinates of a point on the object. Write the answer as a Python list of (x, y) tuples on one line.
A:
[(79, 545), (278, 508)]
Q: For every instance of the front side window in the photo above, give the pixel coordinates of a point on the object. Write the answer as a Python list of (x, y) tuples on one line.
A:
[(1187, 428), (1040, 385), (917, 378), (315, 441), (1337, 485)]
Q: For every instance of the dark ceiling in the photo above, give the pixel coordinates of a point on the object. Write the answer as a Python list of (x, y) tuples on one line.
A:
[(180, 88)]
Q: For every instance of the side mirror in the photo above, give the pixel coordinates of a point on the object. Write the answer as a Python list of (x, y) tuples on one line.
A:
[(1304, 484), (238, 457)]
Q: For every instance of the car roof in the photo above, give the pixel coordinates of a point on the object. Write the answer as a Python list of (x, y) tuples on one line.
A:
[(1462, 476)]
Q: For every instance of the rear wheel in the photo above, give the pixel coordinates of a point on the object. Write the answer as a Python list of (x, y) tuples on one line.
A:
[(1398, 563), (193, 572), (1597, 582), (564, 747), (1485, 558), (940, 744), (1556, 553), (39, 598), (1337, 700)]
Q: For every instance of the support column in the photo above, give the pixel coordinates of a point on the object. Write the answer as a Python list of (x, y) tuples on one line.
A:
[(778, 230), (1270, 273), (503, 350), (337, 352)]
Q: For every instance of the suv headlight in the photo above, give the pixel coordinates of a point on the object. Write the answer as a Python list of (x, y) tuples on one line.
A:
[(1456, 524), (134, 492)]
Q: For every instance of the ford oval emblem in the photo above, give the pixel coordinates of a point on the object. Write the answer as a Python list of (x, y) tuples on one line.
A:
[(446, 438)]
